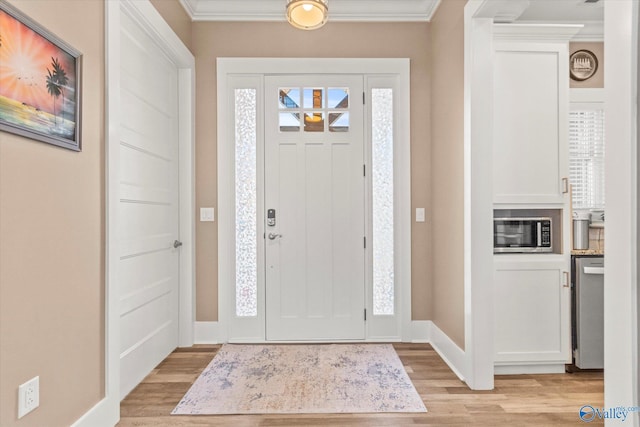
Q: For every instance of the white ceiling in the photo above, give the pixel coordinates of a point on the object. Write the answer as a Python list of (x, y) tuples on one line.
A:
[(590, 15), (563, 11), (339, 10)]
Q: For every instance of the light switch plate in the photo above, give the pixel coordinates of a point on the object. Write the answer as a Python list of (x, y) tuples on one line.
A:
[(420, 215), (207, 214)]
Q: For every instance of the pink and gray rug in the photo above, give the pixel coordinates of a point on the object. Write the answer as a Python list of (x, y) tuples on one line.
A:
[(285, 379)]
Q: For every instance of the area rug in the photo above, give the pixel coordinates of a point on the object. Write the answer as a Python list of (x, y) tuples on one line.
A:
[(286, 379)]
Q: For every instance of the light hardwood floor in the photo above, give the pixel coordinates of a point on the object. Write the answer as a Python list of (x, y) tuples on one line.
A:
[(518, 400)]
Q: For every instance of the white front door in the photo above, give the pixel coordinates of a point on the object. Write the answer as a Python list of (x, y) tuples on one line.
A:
[(315, 207), (148, 207)]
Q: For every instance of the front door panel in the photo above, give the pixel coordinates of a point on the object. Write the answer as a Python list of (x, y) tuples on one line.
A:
[(315, 187)]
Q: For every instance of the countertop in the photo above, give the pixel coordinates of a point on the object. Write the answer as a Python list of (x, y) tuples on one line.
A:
[(587, 252)]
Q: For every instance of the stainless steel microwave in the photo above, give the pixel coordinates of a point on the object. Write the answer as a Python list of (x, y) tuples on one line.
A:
[(522, 235)]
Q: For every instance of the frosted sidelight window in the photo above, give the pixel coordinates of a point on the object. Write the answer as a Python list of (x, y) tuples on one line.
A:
[(586, 158), (246, 203), (382, 184)]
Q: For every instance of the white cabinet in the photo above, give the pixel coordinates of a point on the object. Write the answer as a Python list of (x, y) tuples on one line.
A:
[(531, 98), (531, 168), (532, 313)]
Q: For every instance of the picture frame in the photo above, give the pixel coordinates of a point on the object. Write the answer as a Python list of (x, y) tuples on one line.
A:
[(40, 82)]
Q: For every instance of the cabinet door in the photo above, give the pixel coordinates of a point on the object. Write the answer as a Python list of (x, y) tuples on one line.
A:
[(532, 313), (530, 122)]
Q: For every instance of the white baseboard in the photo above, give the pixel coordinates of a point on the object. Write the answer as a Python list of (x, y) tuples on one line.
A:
[(554, 368), (421, 331), (105, 413), (205, 333), (452, 355), (425, 331)]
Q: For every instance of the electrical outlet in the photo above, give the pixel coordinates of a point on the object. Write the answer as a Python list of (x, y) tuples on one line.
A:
[(28, 396)]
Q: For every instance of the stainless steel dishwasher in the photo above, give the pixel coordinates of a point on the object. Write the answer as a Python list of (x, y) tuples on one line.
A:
[(589, 312)]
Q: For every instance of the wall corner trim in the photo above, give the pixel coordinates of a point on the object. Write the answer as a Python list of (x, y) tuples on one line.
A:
[(206, 333)]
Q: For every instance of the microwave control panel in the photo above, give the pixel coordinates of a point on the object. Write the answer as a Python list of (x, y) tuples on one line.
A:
[(546, 233)]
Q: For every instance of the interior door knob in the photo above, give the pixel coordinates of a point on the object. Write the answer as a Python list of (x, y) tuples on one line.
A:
[(273, 236), (177, 244)]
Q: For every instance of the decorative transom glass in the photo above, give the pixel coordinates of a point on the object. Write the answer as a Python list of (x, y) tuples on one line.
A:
[(313, 109), (382, 201), (246, 203)]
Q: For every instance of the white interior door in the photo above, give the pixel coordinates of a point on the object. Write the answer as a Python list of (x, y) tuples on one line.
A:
[(148, 282), (315, 187)]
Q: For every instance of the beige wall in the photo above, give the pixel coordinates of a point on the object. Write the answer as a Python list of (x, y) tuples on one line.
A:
[(51, 245), (175, 15), (447, 167), (405, 40), (597, 80)]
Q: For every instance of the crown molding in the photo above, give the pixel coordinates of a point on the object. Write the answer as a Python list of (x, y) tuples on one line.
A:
[(339, 10), (592, 32), (535, 32), (189, 6)]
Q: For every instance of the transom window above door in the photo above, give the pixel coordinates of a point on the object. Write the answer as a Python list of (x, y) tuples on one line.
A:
[(313, 109)]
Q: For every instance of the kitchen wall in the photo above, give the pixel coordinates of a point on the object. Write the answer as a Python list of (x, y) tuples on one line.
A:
[(52, 245), (596, 236), (359, 40), (597, 80), (447, 168)]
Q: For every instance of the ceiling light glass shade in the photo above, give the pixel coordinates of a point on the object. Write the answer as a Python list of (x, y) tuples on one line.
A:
[(307, 14)]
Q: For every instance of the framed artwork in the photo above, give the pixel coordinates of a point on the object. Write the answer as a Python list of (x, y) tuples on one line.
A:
[(40, 82)]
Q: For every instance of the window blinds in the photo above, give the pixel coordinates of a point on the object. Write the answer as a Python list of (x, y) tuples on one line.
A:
[(586, 158)]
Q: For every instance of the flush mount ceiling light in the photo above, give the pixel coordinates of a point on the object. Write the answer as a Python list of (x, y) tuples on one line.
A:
[(307, 14)]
